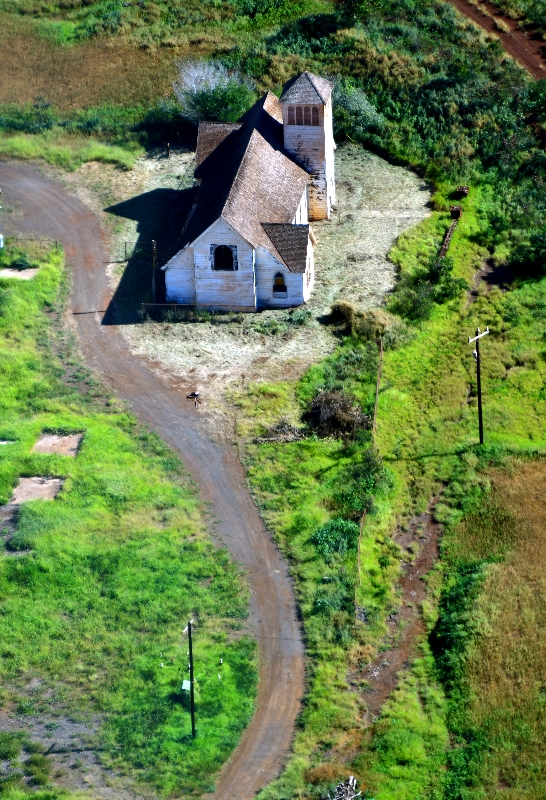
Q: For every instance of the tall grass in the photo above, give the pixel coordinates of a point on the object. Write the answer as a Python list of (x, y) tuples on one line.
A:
[(65, 152), (97, 585)]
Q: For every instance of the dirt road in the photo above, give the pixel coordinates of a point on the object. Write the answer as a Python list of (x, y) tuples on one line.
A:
[(527, 48), (42, 207)]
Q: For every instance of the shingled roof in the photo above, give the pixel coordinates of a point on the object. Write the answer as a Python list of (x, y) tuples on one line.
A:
[(210, 135), (291, 242), (247, 179), (307, 88)]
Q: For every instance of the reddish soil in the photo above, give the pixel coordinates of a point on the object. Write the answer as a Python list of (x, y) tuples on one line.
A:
[(527, 48), (42, 207), (405, 627)]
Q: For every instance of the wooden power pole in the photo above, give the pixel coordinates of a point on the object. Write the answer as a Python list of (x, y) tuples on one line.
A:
[(476, 339), (154, 267), (192, 697)]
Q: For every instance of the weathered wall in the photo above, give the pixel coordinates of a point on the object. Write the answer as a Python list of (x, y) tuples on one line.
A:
[(266, 268), (219, 289), (309, 278), (314, 145), (302, 214), (180, 277)]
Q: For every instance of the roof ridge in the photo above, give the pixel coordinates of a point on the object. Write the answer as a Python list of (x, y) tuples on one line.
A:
[(310, 76)]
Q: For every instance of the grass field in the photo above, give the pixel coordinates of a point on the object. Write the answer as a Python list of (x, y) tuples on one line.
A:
[(97, 585), (427, 437)]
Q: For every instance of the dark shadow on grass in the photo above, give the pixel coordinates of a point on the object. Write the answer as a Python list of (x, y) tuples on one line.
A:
[(160, 215)]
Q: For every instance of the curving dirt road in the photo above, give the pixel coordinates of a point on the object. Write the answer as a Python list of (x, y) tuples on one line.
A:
[(42, 207)]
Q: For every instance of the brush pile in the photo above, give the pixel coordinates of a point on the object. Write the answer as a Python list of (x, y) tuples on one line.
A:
[(336, 413)]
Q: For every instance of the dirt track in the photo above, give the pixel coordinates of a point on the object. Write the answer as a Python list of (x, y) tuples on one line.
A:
[(42, 207), (528, 49)]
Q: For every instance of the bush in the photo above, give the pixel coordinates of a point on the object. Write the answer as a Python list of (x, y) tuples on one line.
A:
[(416, 294), (336, 536), (354, 115), (11, 744), (361, 482), (530, 258), (208, 91), (336, 413)]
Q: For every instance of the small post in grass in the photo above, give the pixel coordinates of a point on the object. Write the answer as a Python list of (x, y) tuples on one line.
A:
[(476, 354), (192, 698)]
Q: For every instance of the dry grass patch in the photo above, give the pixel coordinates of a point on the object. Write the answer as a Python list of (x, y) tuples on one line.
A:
[(84, 75), (506, 665)]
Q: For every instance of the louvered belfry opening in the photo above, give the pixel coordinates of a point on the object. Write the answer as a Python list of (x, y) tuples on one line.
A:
[(223, 257), (303, 115)]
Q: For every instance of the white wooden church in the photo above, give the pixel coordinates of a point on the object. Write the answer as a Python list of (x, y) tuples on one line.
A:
[(247, 243)]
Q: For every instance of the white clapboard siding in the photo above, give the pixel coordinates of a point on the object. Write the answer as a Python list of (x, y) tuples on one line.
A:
[(302, 215), (266, 268), (309, 277), (219, 289), (180, 277)]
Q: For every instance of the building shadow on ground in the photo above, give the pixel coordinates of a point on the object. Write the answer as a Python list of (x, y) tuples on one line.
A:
[(160, 216)]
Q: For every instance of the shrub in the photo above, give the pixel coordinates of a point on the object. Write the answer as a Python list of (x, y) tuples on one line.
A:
[(354, 115), (206, 90), (336, 413), (416, 293), (360, 483), (336, 536), (11, 744)]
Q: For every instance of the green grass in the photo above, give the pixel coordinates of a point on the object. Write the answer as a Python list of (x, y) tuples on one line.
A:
[(427, 437), (64, 151), (97, 585)]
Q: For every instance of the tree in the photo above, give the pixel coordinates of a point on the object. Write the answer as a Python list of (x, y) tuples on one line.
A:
[(207, 90)]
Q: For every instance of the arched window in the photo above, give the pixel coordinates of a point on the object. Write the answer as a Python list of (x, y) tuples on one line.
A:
[(315, 115), (299, 115), (291, 116), (223, 257), (306, 115), (278, 283)]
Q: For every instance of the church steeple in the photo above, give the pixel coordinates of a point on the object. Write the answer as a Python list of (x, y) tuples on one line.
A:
[(308, 134)]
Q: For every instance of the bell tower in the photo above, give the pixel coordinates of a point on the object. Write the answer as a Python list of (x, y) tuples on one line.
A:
[(309, 136)]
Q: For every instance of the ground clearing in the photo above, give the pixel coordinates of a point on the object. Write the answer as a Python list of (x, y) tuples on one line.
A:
[(18, 274), (376, 203), (36, 489), (56, 443)]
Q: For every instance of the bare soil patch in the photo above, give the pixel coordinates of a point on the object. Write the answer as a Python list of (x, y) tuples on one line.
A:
[(62, 445), (19, 274), (72, 748), (36, 489), (419, 543)]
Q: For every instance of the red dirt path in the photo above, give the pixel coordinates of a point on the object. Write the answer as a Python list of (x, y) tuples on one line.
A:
[(529, 50), (42, 207)]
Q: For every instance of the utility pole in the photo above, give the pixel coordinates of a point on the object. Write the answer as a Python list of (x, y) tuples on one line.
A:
[(192, 698), (476, 354), (154, 266)]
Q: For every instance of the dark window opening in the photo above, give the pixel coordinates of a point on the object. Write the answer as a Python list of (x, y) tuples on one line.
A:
[(278, 283), (306, 115), (291, 116), (223, 257), (315, 115), (299, 115)]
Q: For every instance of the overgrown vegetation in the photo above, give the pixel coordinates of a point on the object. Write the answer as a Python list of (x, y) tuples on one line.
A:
[(97, 585)]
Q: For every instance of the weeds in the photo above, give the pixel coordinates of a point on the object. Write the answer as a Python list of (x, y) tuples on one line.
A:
[(106, 575)]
